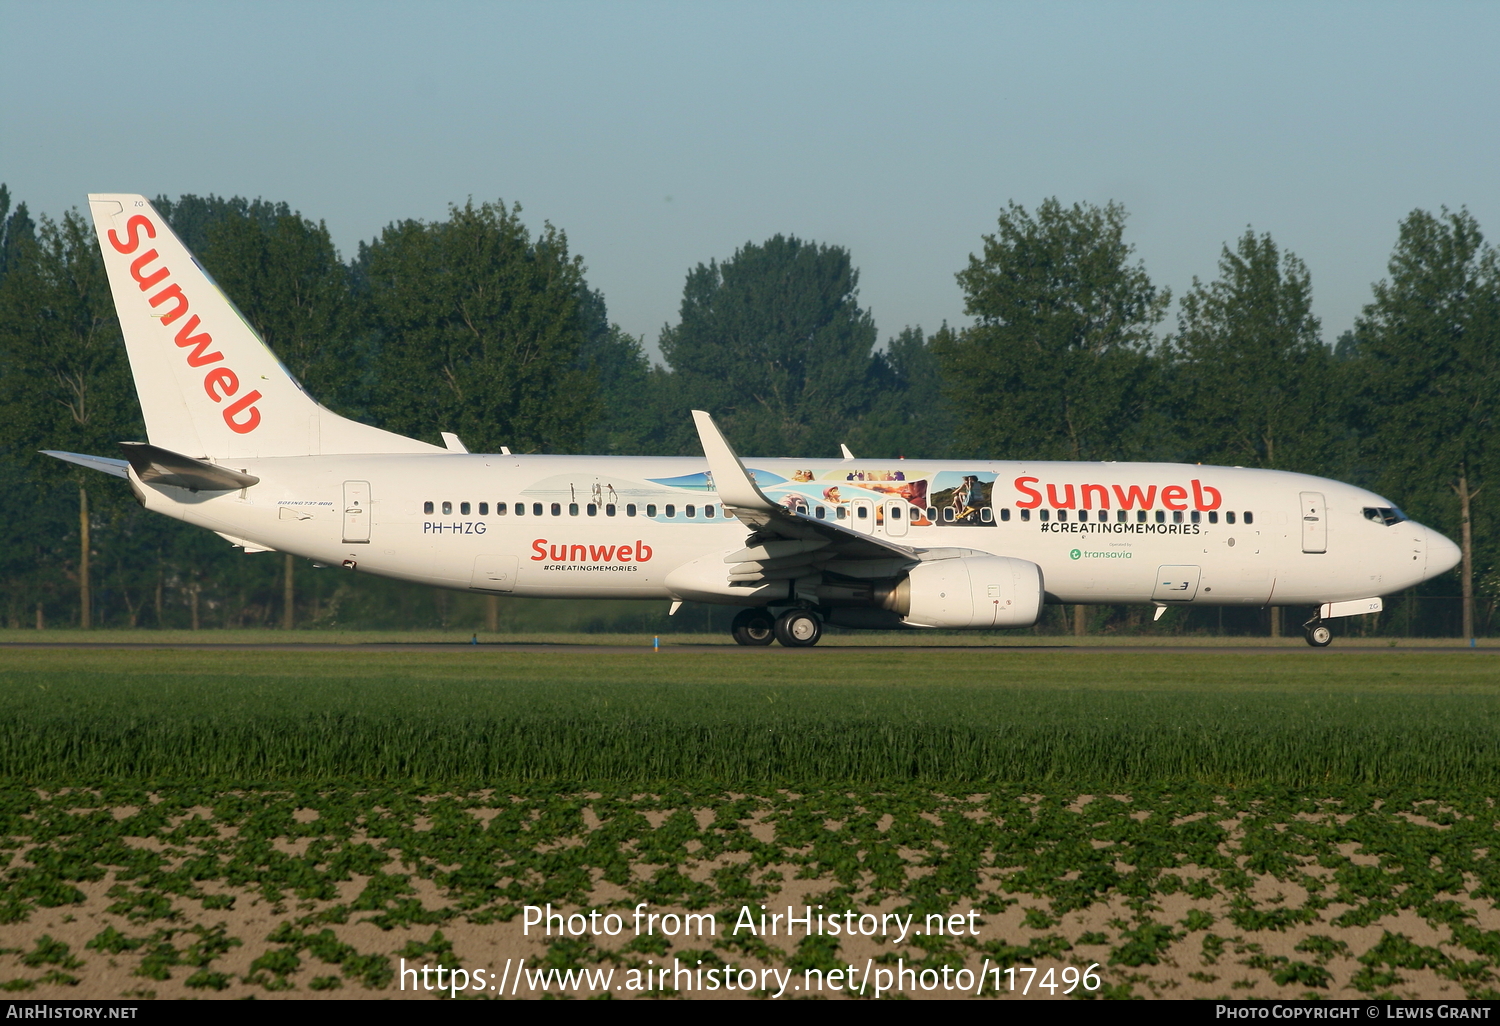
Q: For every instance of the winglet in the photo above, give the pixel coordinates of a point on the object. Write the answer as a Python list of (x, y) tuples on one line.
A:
[(736, 488), (845, 450)]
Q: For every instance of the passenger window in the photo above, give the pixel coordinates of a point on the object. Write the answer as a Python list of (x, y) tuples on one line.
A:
[(1177, 516), (671, 509), (1229, 516), (536, 509), (572, 509), (691, 511), (895, 512), (520, 509), (630, 509), (447, 508), (609, 509), (484, 509), (1005, 514), (708, 511), (593, 510), (821, 513), (463, 509), (427, 508), (1140, 516), (1197, 516), (1249, 517), (1104, 516), (1161, 516), (987, 515), (1062, 515), (1026, 514), (1213, 516), (932, 514), (839, 513), (650, 509), (1046, 515), (557, 509), (1121, 516), (862, 513)]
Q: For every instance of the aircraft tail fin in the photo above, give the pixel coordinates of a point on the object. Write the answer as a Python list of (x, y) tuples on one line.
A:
[(208, 385)]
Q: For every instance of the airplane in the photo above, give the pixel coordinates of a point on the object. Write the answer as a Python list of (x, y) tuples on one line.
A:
[(236, 446)]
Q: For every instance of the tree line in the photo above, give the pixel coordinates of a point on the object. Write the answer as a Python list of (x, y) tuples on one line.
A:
[(478, 325)]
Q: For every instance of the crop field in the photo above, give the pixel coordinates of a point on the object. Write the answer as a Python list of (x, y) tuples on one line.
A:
[(185, 823)]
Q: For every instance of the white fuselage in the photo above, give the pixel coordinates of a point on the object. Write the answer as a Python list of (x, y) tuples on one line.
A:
[(617, 527)]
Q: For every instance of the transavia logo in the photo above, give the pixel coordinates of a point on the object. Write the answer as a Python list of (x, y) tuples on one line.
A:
[(1075, 554)]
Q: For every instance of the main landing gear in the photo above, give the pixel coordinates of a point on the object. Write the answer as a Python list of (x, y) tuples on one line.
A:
[(796, 628), (1317, 633)]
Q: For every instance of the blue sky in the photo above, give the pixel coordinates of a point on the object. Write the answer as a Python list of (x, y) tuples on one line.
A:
[(659, 135)]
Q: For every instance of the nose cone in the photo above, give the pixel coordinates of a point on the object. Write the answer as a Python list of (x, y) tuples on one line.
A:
[(1442, 554)]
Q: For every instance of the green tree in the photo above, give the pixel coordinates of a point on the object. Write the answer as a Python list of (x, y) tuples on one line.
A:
[(908, 414), (1253, 376), (64, 378), (479, 331), (194, 217), (1057, 363), (288, 281), (773, 341), (1432, 337), (628, 421), (16, 230)]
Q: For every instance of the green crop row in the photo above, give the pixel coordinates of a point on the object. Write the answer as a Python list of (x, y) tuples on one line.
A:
[(238, 717), (1252, 868)]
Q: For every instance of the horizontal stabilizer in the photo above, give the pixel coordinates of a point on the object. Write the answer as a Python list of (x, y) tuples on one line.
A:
[(101, 463), (155, 465)]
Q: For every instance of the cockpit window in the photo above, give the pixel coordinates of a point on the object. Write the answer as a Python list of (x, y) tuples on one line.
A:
[(1387, 515)]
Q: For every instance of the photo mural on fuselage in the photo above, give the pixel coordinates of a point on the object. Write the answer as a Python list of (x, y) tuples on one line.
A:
[(837, 493)]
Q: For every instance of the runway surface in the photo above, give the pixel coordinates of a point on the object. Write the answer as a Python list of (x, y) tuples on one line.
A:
[(491, 647)]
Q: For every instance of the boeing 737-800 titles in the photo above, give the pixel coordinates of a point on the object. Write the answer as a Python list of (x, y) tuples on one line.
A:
[(235, 445)]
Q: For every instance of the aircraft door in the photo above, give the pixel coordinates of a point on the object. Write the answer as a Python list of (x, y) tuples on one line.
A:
[(495, 573), (356, 512), (1176, 584), (862, 515), (1314, 523), (895, 518)]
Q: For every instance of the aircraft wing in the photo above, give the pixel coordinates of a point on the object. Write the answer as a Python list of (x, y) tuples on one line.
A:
[(784, 544)]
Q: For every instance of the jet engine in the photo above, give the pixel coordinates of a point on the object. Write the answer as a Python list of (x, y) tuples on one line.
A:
[(968, 592)]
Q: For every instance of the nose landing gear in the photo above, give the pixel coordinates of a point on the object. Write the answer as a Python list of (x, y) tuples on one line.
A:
[(1317, 633)]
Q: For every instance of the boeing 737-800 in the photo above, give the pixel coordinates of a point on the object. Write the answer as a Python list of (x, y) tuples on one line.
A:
[(236, 446)]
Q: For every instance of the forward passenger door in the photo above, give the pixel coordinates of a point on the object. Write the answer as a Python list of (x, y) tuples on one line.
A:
[(1314, 523)]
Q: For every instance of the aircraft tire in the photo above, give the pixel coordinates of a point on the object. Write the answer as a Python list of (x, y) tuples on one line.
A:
[(753, 627), (798, 629), (1319, 636)]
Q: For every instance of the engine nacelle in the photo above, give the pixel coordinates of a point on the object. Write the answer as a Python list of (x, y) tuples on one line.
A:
[(969, 592)]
